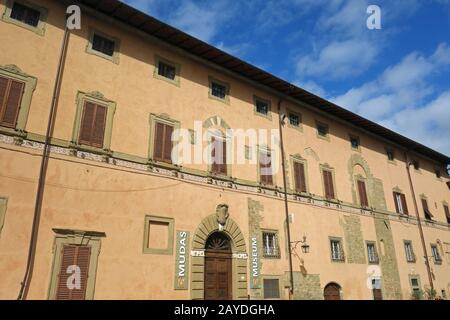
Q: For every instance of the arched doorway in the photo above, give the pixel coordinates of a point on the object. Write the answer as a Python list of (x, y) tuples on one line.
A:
[(332, 291), (218, 267)]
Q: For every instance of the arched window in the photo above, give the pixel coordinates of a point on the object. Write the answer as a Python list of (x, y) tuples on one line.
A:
[(332, 291)]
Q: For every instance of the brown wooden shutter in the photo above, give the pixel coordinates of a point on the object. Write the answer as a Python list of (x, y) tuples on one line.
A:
[(72, 255), (98, 130), (265, 165), (397, 209), (329, 187), (299, 173), (158, 141), (167, 154), (447, 213), (404, 205), (10, 97), (427, 212), (223, 165), (362, 194), (87, 123)]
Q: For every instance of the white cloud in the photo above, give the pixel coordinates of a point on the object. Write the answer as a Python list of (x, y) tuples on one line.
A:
[(312, 87), (398, 99), (338, 60)]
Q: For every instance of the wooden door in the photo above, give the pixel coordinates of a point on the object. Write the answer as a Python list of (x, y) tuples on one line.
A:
[(332, 292), (218, 268), (377, 295)]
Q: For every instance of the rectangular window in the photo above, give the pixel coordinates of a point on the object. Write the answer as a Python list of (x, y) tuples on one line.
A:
[(270, 244), (103, 45), (166, 70), (390, 154), (436, 256), (447, 213), (354, 142), (11, 93), (163, 142), (262, 107), (219, 155), (25, 14), (372, 253), (337, 253), (93, 121), (218, 90), (328, 184), (294, 120), (299, 175), (426, 211), (363, 200), (447, 251), (73, 258), (322, 130), (400, 203), (265, 168), (271, 288), (409, 252), (415, 287)]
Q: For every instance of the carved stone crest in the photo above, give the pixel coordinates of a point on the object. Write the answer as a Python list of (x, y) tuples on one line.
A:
[(222, 214)]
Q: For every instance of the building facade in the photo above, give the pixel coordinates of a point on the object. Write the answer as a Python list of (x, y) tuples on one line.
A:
[(120, 218)]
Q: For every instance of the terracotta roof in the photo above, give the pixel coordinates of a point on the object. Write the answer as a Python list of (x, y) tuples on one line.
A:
[(167, 33)]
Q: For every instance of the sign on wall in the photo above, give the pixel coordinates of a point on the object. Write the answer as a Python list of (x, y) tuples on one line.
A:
[(255, 282), (182, 261)]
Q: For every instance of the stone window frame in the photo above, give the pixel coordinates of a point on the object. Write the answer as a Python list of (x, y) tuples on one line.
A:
[(277, 237), (445, 204), (374, 243), (300, 120), (229, 149), (272, 277), (163, 118), (299, 159), (39, 29), (170, 241), (327, 136), (97, 98), (357, 178), (177, 67), (353, 136), (267, 116), (419, 284), (115, 58), (3, 208), (436, 261), (327, 167), (225, 100), (15, 73), (405, 242), (341, 241), (66, 236), (270, 151)]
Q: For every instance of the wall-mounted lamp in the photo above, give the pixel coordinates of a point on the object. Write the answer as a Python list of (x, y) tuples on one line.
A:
[(305, 246)]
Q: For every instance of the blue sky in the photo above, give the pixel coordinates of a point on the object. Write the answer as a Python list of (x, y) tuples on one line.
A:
[(398, 76)]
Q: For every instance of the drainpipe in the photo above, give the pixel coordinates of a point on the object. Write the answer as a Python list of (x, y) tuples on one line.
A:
[(286, 208), (25, 284), (419, 223)]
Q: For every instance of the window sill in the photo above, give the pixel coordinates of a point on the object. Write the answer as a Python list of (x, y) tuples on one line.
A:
[(86, 148)]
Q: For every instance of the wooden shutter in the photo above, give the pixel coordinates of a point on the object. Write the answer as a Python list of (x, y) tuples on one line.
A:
[(158, 142), (427, 212), (404, 205), (162, 147), (10, 99), (362, 194), (265, 165), (72, 255), (98, 130), (299, 173), (93, 123), (397, 209), (328, 182), (219, 156), (447, 213)]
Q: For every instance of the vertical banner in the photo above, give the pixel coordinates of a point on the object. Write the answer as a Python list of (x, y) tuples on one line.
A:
[(182, 261), (255, 282)]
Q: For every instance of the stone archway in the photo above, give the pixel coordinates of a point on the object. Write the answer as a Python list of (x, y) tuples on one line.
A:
[(208, 226)]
